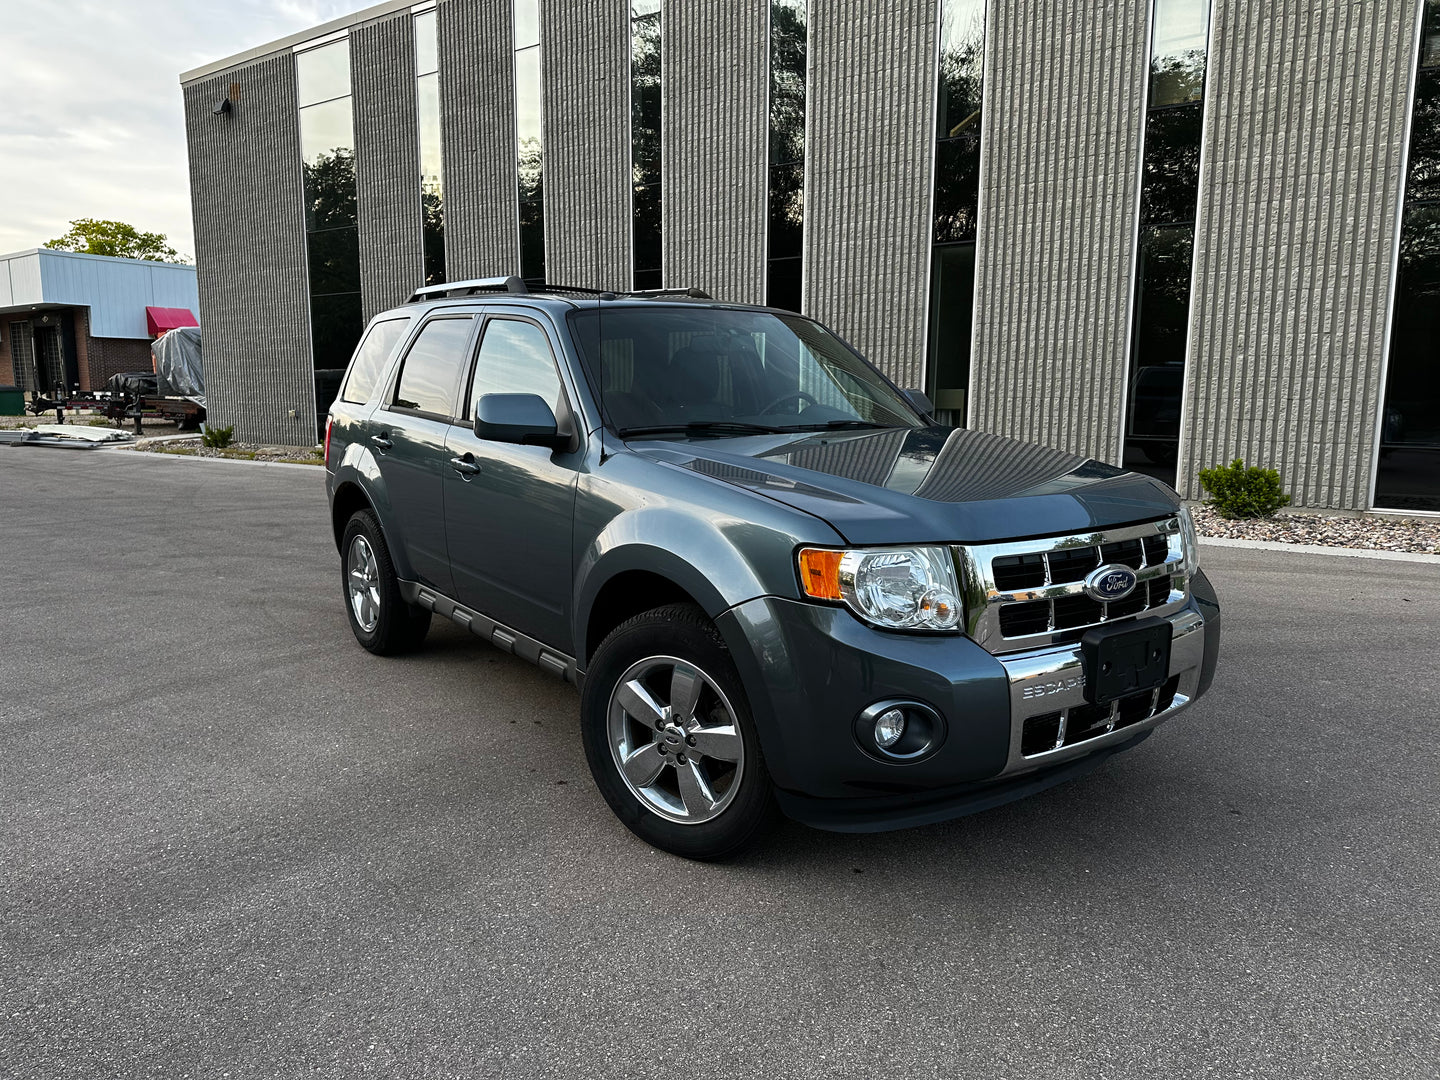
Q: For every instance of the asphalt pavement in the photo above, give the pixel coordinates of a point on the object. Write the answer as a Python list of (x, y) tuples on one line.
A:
[(232, 843)]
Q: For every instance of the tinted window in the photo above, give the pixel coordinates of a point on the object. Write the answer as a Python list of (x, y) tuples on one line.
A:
[(515, 358), (433, 365), (370, 359), (323, 73)]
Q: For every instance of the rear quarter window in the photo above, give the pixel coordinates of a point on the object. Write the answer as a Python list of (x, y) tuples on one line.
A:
[(370, 359)]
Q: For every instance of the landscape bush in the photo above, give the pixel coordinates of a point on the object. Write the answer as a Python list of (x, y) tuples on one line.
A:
[(1241, 491), (218, 437)]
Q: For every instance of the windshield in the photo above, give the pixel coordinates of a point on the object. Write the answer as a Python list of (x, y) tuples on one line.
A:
[(672, 369)]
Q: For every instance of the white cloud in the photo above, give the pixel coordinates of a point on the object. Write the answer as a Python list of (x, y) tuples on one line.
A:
[(90, 109)]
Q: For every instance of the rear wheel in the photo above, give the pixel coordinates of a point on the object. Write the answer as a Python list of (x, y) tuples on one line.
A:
[(379, 616), (669, 737)]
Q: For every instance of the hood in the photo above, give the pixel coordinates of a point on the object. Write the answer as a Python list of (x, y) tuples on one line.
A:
[(925, 485)]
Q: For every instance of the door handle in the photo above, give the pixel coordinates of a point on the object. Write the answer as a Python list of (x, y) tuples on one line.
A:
[(382, 440), (466, 466)]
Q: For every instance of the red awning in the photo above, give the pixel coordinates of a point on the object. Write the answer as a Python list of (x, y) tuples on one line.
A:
[(161, 319)]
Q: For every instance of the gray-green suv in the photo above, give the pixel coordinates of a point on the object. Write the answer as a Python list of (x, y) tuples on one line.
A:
[(777, 582)]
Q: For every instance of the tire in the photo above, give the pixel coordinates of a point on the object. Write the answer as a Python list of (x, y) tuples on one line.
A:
[(697, 785), (381, 620)]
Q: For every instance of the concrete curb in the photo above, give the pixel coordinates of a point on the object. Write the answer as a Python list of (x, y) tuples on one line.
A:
[(318, 470), (1320, 549)]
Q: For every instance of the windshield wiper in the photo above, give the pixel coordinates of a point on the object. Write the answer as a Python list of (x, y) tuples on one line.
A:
[(837, 425), (701, 427)]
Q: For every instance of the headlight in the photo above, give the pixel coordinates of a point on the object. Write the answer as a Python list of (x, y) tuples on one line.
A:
[(1189, 541), (896, 588)]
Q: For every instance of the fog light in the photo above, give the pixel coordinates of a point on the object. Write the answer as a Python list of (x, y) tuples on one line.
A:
[(889, 726)]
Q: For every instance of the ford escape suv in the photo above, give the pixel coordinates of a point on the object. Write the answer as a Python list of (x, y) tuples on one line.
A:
[(779, 585)]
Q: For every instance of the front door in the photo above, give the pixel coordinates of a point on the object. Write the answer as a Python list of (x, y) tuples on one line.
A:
[(407, 435), (510, 513)]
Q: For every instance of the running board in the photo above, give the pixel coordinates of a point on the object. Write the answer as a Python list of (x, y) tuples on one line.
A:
[(497, 634)]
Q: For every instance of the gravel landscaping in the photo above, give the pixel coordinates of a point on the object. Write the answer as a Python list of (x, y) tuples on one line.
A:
[(1419, 535), (294, 455)]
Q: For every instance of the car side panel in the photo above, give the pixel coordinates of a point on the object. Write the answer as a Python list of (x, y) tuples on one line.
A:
[(721, 544)]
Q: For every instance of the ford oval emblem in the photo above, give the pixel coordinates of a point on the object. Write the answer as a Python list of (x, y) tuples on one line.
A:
[(1110, 583)]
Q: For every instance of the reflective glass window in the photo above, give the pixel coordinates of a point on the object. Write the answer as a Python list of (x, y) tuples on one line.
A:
[(1177, 64), (432, 367), (427, 43), (1423, 181), (432, 154), (1171, 182), (962, 66), (327, 144), (1169, 192), (527, 23), (956, 203), (334, 257), (323, 73), (1430, 38), (952, 310), (515, 358), (529, 139), (336, 323), (1408, 474), (370, 359), (788, 51), (645, 134)]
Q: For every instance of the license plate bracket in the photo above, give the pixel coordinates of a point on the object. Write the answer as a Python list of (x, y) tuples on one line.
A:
[(1123, 660)]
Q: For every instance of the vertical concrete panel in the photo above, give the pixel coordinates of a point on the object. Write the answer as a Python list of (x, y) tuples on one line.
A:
[(387, 167), (247, 201), (1055, 256), (477, 122), (714, 85), (1305, 130), (869, 157), (585, 53)]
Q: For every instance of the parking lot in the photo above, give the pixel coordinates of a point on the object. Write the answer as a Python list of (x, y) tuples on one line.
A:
[(233, 843)]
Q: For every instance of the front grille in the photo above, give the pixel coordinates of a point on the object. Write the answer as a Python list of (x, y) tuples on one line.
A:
[(1052, 731), (1031, 593)]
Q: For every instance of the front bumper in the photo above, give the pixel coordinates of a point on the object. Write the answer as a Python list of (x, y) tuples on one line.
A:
[(809, 669)]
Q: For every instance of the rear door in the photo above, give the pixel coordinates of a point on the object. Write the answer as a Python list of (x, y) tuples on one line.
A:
[(408, 437), (509, 522)]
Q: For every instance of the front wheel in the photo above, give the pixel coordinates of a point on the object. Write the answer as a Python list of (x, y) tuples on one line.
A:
[(379, 616), (669, 737)]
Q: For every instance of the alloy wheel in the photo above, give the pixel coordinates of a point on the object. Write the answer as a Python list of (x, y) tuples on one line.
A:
[(363, 582), (675, 739)]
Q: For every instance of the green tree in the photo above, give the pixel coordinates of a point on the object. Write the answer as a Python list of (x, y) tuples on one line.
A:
[(91, 236)]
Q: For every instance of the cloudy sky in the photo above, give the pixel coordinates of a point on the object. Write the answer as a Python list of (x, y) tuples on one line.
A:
[(90, 118)]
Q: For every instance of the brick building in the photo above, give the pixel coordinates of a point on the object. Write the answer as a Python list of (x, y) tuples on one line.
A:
[(70, 321)]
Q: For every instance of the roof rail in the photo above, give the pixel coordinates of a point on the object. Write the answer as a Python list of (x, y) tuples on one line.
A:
[(510, 284), (651, 294)]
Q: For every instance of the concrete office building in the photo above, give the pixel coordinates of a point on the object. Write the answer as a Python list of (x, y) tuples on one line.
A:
[(1160, 232)]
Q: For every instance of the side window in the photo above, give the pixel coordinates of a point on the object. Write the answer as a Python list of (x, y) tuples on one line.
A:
[(515, 358), (432, 367), (370, 360)]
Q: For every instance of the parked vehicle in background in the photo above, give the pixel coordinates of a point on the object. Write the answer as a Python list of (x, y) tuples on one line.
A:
[(778, 584)]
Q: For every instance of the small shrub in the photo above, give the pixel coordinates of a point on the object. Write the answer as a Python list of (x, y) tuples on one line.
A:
[(218, 437), (1243, 492)]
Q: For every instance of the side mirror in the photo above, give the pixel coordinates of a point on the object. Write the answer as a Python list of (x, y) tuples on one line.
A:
[(517, 418), (921, 401)]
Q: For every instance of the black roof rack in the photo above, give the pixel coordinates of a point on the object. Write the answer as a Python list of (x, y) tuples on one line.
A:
[(513, 284)]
